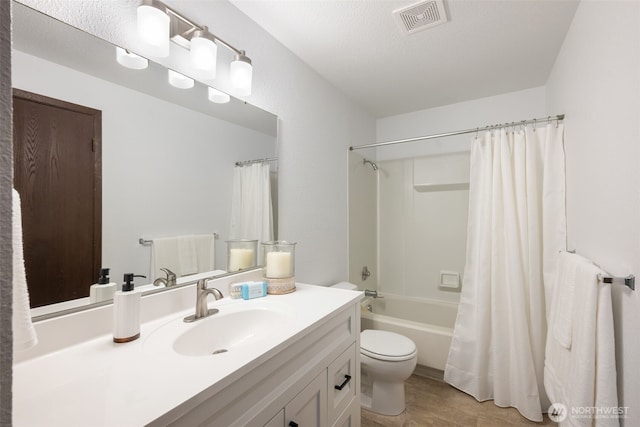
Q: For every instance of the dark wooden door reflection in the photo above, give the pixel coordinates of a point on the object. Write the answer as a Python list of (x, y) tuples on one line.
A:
[(57, 171)]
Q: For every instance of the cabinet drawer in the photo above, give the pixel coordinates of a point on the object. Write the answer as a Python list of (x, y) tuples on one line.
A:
[(341, 386)]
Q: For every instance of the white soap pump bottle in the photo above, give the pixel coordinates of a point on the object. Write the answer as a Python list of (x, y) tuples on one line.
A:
[(126, 312), (103, 290)]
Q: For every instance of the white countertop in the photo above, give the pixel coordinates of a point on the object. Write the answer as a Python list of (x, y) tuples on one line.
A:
[(100, 383)]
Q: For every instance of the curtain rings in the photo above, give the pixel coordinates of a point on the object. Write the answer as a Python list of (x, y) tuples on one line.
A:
[(534, 124)]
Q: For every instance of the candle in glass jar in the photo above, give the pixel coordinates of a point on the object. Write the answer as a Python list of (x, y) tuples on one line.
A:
[(240, 258), (278, 265)]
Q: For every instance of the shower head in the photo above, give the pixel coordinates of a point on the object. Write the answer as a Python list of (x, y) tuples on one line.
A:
[(373, 165)]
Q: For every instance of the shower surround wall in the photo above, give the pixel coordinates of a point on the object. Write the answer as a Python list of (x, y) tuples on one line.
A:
[(421, 233), (423, 206)]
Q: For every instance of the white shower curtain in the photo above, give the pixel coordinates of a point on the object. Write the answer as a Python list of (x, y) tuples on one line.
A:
[(516, 228), (251, 209)]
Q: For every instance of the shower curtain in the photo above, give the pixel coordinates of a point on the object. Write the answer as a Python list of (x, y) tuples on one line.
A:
[(251, 209), (516, 227)]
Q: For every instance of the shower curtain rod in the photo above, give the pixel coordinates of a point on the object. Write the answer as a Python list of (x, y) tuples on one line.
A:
[(250, 162), (460, 132)]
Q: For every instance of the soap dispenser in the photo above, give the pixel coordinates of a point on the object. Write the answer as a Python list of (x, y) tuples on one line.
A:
[(103, 290), (126, 312)]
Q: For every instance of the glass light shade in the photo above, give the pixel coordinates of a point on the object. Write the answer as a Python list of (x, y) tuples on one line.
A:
[(130, 60), (241, 75), (203, 57), (153, 30), (218, 97), (180, 81)]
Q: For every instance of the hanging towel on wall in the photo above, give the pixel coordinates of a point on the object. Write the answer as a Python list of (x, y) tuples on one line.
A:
[(187, 256), (206, 252), (183, 255), (580, 365), (24, 334)]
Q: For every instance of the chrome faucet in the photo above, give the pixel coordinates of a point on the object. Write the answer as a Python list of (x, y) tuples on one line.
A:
[(370, 293), (169, 281), (202, 292)]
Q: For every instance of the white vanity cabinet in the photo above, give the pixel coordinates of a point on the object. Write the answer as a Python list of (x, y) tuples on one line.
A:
[(312, 381), (284, 372)]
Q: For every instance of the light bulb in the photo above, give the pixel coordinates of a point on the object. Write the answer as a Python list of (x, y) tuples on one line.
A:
[(180, 81), (203, 54), (130, 60), (241, 74), (153, 30), (218, 97)]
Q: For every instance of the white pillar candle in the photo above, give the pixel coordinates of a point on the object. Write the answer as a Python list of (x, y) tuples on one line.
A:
[(241, 258), (278, 265)]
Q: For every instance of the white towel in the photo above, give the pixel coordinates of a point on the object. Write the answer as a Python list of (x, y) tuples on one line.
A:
[(183, 255), (24, 334), (564, 297), (584, 375), (206, 250), (165, 255), (187, 255)]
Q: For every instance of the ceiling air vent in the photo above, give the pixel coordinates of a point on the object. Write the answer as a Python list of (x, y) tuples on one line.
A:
[(420, 16)]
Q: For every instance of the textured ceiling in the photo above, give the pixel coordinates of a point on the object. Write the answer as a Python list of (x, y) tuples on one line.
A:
[(486, 48)]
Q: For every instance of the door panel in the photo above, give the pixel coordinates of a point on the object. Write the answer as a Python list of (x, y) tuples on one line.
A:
[(57, 171)]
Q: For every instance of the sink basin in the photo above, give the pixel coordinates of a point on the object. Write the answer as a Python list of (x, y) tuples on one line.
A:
[(220, 332), (238, 325)]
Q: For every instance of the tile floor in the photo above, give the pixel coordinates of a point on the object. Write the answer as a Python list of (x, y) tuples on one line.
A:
[(434, 403)]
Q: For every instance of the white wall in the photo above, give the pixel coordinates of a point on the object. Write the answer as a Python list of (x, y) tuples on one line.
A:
[(363, 221), (596, 83), (317, 124), (420, 234), (505, 108), (166, 170), (422, 230)]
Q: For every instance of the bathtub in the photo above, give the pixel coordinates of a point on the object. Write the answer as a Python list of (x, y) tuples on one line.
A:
[(428, 323)]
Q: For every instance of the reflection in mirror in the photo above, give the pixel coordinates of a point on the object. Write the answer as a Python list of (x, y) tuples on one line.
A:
[(167, 155)]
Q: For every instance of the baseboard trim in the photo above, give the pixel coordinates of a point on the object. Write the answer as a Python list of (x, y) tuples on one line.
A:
[(431, 373)]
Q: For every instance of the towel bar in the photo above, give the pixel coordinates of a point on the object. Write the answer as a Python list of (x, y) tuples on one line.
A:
[(148, 242), (629, 281)]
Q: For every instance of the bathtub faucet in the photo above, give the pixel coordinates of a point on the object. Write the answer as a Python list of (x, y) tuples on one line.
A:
[(370, 293)]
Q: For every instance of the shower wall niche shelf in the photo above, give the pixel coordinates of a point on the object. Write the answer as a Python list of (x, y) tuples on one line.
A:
[(453, 186)]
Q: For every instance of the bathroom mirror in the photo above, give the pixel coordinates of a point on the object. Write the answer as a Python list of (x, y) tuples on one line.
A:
[(167, 154)]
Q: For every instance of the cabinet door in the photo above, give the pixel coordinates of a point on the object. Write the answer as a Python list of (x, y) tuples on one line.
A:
[(309, 407), (277, 420), (342, 382), (351, 416)]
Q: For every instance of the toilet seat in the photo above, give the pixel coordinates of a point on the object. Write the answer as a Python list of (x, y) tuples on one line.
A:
[(388, 346)]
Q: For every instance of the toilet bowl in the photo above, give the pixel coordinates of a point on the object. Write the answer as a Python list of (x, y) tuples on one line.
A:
[(387, 360)]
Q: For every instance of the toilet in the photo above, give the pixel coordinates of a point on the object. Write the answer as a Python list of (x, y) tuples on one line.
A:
[(387, 360)]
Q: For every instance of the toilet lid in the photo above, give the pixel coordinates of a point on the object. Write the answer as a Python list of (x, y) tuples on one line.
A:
[(384, 345)]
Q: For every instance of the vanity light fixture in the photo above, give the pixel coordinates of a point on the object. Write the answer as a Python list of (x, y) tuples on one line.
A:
[(158, 24), (218, 97), (154, 28), (241, 74), (204, 52), (180, 80), (130, 60)]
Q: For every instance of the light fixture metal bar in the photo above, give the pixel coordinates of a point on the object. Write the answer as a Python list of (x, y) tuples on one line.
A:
[(182, 28)]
